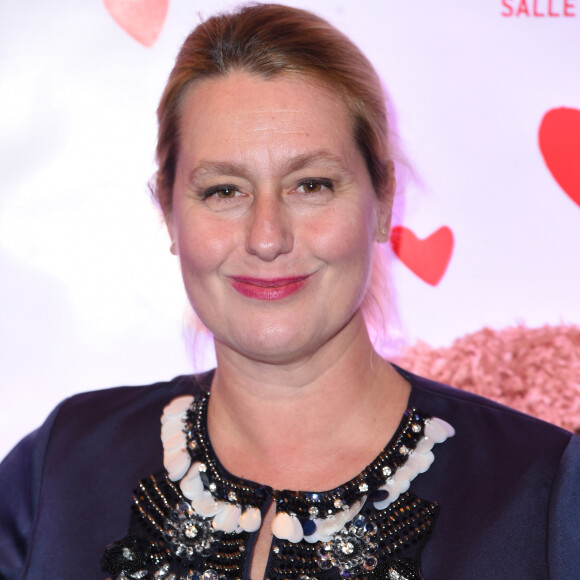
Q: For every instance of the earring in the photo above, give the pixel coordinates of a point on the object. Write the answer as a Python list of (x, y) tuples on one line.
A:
[(384, 230), (172, 249)]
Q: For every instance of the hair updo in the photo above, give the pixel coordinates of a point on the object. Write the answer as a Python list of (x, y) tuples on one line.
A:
[(270, 40)]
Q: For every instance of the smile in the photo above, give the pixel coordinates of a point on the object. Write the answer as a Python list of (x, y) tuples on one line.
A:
[(268, 289)]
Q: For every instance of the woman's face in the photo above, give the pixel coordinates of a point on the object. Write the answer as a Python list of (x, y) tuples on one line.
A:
[(274, 216)]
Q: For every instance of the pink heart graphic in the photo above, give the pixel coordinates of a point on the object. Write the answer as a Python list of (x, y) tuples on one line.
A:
[(559, 138), (141, 19), (426, 258)]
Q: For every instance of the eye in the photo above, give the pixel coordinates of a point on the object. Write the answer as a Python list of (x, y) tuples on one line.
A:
[(313, 185), (221, 192)]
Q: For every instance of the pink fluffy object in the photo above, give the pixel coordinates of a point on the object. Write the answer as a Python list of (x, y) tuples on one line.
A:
[(534, 370)]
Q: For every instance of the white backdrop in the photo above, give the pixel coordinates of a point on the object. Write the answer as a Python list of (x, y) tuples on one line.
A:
[(89, 294)]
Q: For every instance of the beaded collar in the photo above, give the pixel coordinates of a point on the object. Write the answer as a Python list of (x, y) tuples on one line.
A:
[(234, 505), (194, 520)]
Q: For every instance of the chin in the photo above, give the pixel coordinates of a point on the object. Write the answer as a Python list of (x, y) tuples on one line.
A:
[(273, 346)]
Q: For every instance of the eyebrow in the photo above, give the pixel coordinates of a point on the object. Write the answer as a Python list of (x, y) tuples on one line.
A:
[(296, 163), (306, 160)]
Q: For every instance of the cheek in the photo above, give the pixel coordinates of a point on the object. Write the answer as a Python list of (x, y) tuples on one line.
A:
[(348, 237), (202, 247)]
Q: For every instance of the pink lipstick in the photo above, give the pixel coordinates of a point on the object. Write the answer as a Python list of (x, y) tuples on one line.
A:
[(268, 289)]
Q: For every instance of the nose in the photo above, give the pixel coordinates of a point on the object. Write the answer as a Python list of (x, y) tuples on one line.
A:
[(269, 233)]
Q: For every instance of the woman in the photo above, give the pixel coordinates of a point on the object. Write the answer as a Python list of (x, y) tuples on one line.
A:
[(276, 182)]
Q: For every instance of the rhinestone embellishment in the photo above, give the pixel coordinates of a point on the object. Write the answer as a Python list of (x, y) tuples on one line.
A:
[(188, 534), (195, 517), (351, 550), (233, 507)]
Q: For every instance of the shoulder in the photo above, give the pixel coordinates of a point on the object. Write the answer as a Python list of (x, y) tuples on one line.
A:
[(492, 443), (483, 418), (103, 424), (504, 472), (73, 478), (111, 424), (111, 432), (126, 402)]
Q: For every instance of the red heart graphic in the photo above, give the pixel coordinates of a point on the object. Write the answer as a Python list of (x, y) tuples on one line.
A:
[(559, 138), (141, 19), (427, 258)]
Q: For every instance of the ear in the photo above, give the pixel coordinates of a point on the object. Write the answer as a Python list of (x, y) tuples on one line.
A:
[(385, 206), (168, 217), (384, 222)]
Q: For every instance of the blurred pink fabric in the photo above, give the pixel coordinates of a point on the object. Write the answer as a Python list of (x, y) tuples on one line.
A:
[(534, 370)]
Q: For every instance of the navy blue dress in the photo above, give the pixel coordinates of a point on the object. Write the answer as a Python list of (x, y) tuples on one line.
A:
[(507, 486)]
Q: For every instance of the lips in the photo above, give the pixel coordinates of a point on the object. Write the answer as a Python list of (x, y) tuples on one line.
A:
[(268, 289)]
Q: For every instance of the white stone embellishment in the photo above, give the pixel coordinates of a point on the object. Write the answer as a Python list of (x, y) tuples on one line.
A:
[(327, 527), (424, 444), (398, 481), (206, 505), (230, 517), (421, 461), (251, 520), (297, 532), (287, 527), (227, 519), (418, 460), (177, 463), (173, 442), (170, 428), (224, 516), (438, 430), (178, 406), (176, 459), (191, 484), (282, 526)]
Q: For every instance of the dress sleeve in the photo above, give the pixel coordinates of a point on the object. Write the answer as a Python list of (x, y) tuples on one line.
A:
[(564, 515), (20, 483)]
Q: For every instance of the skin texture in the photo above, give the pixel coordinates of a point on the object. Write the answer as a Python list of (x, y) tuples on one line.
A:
[(249, 133), (274, 221)]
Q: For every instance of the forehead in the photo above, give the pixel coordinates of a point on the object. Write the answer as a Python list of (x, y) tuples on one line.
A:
[(284, 114)]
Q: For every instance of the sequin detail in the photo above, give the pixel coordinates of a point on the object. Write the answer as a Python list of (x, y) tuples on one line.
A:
[(300, 515), (194, 521), (171, 541)]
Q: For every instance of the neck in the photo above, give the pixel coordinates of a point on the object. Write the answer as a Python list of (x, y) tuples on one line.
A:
[(309, 424)]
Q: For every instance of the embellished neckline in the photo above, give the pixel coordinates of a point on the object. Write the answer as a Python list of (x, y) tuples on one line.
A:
[(194, 520), (234, 504)]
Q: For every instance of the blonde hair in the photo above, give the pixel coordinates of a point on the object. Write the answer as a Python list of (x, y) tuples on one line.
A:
[(271, 40)]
